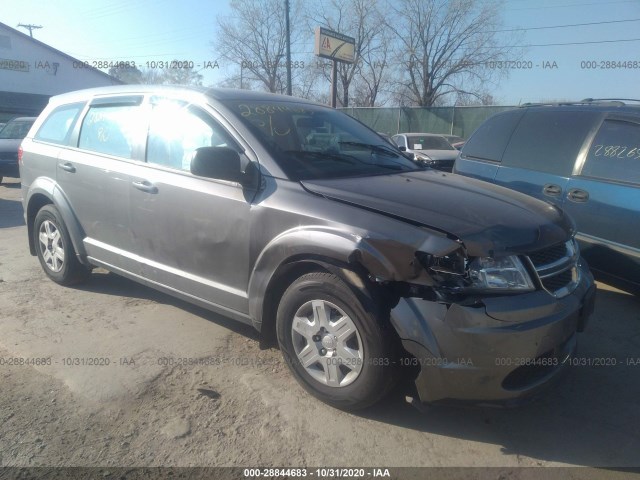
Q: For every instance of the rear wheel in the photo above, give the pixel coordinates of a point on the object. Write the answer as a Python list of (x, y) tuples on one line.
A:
[(54, 248), (337, 350)]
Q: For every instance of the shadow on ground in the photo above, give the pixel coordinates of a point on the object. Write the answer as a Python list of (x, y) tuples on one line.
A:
[(589, 418)]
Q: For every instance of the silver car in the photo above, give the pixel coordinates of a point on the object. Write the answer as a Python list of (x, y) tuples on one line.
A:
[(299, 220)]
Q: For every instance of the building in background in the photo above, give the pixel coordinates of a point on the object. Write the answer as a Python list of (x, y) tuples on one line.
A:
[(32, 71)]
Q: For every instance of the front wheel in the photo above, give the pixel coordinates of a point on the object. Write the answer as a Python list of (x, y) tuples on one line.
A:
[(336, 348), (54, 248)]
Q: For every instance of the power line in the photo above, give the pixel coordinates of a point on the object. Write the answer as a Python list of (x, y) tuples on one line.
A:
[(565, 26), (569, 43), (574, 5)]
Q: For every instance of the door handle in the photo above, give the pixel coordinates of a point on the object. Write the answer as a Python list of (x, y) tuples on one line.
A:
[(67, 167), (552, 190), (145, 186), (577, 195)]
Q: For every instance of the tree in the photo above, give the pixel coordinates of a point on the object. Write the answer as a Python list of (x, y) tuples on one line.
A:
[(181, 76), (127, 74), (373, 77), (147, 76), (445, 48), (254, 39)]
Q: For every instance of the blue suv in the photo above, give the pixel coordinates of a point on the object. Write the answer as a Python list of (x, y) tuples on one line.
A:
[(583, 157)]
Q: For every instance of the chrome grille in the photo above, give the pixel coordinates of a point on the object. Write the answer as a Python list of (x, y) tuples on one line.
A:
[(548, 255), (556, 267)]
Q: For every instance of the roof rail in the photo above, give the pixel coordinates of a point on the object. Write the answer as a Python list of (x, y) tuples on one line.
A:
[(587, 101), (621, 100)]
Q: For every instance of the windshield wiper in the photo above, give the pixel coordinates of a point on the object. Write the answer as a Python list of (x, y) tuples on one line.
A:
[(377, 148)]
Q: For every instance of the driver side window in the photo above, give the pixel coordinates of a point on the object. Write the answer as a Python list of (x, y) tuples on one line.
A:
[(177, 130)]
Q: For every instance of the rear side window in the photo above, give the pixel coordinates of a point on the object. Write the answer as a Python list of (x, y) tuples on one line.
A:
[(113, 130), (491, 138), (549, 141), (57, 126), (615, 153)]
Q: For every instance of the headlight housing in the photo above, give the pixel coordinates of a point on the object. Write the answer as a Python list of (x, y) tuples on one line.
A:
[(421, 157), (499, 274)]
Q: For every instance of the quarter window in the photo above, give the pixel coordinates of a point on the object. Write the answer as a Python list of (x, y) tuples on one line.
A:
[(615, 153), (57, 126), (113, 130), (176, 131), (490, 139)]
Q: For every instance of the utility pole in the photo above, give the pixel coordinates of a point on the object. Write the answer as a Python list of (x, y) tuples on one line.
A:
[(286, 6), (30, 27)]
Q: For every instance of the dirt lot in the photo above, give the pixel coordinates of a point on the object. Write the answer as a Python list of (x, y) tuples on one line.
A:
[(240, 406)]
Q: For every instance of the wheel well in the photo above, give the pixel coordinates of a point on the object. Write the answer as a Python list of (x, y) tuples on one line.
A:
[(282, 278), (355, 276), (35, 204)]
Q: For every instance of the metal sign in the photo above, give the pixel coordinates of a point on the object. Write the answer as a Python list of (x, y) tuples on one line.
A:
[(335, 46)]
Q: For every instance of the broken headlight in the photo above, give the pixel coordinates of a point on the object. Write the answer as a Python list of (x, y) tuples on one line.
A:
[(504, 273)]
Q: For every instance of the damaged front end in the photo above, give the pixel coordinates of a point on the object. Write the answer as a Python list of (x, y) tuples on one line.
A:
[(488, 329)]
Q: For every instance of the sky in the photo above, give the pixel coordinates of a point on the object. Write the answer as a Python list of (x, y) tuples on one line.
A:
[(560, 55)]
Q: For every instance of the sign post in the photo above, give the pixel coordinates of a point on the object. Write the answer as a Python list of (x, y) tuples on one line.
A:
[(338, 48)]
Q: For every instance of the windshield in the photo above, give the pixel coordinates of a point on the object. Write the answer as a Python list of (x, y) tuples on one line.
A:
[(16, 130), (453, 139), (428, 142), (315, 142)]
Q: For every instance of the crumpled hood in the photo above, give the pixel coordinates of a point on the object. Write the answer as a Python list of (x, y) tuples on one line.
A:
[(489, 219)]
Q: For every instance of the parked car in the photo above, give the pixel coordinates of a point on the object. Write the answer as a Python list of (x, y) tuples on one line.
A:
[(356, 260), (10, 137), (454, 140), (582, 157), (430, 149)]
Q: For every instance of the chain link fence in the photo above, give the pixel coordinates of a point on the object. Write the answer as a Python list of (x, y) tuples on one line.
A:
[(460, 121)]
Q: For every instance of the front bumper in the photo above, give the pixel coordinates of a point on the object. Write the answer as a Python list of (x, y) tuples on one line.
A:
[(504, 349)]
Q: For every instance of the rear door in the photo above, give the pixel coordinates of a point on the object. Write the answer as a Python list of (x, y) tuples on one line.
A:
[(543, 151), (604, 198), (94, 177)]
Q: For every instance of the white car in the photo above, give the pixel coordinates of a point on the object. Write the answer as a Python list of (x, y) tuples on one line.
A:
[(429, 149)]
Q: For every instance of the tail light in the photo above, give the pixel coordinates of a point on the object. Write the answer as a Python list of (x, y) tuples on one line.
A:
[(20, 155)]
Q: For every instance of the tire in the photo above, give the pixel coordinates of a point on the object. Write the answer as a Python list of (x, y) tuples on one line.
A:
[(55, 250), (335, 348)]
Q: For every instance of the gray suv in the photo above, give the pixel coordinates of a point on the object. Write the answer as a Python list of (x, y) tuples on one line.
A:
[(583, 157), (301, 221)]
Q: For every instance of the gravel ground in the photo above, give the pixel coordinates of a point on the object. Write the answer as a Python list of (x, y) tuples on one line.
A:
[(239, 406)]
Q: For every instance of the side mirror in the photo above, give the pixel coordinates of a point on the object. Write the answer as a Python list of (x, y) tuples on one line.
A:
[(222, 163), (402, 149)]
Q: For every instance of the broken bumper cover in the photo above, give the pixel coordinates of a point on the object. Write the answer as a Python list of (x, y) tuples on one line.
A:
[(504, 349)]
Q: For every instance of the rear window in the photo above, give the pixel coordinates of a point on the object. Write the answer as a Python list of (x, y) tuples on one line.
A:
[(16, 129), (490, 139), (57, 127), (428, 143), (615, 153), (549, 141)]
